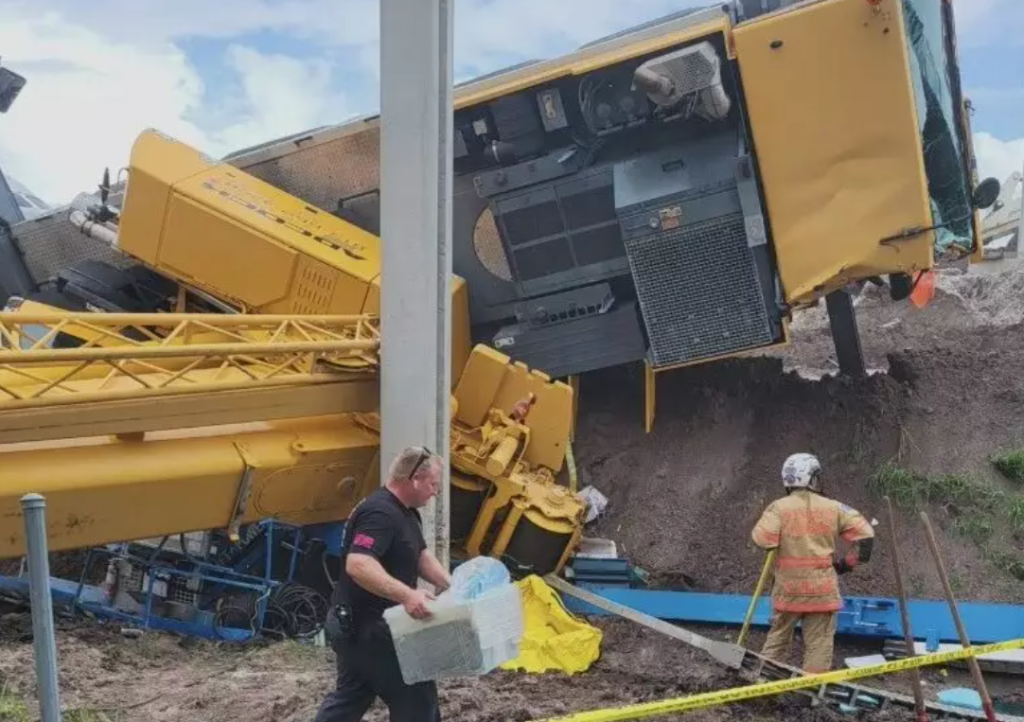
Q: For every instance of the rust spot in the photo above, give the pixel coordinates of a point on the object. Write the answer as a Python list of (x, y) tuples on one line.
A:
[(74, 521)]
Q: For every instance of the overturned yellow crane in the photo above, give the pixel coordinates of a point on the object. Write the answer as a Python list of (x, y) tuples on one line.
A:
[(140, 425)]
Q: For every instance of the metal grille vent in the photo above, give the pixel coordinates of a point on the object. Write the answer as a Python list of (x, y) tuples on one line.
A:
[(315, 289), (487, 244), (699, 291)]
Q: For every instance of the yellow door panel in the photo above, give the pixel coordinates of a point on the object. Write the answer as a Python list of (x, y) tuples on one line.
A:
[(832, 110)]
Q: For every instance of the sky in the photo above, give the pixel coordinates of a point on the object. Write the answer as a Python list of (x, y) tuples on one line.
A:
[(225, 74)]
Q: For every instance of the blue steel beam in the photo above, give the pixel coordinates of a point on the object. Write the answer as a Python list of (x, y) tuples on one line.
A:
[(862, 616)]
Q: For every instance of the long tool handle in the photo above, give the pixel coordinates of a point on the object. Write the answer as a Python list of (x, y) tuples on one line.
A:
[(730, 655), (769, 560), (908, 634), (972, 662)]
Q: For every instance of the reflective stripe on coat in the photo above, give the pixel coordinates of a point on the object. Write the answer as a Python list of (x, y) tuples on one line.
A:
[(805, 528)]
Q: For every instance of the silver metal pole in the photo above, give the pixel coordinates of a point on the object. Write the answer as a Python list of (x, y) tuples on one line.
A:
[(33, 506)]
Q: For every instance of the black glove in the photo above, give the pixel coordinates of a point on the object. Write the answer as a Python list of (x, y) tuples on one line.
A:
[(841, 567)]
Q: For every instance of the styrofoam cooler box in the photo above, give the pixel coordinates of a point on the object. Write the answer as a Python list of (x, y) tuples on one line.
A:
[(463, 637)]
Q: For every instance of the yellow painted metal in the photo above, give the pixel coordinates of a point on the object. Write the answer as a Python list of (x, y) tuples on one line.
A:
[(491, 380), (216, 228), (202, 405), (184, 475), (574, 384), (831, 106), (583, 61), (134, 356), (650, 395), (102, 490), (766, 570)]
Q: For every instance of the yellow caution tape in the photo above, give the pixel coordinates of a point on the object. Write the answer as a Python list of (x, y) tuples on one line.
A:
[(768, 689)]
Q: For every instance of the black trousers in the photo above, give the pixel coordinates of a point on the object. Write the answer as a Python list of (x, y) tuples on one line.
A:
[(368, 669)]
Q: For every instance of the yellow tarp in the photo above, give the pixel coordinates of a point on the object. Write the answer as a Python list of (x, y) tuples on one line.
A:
[(553, 639)]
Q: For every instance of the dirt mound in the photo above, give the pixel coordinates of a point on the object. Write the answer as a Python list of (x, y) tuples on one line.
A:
[(158, 679), (684, 498), (963, 303)]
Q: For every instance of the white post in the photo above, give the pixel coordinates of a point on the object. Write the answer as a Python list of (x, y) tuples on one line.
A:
[(416, 222)]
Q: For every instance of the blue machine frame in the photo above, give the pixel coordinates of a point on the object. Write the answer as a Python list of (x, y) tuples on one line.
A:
[(79, 596), (874, 617)]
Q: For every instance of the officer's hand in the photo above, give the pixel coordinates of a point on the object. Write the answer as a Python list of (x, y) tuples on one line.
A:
[(416, 604)]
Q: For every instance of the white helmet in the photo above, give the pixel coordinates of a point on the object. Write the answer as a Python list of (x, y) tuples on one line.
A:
[(801, 471)]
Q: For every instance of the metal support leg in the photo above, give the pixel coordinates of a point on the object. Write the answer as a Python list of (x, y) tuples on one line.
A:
[(845, 334), (33, 507)]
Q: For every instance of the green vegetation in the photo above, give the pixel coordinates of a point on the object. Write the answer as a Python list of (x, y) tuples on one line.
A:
[(899, 484), (12, 708), (974, 507), (1010, 465), (1012, 564), (975, 527), (1015, 511), (908, 490)]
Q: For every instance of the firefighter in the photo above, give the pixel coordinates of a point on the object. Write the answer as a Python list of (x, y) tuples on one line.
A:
[(804, 527)]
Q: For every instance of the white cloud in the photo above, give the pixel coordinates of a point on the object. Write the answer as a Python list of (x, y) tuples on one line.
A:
[(982, 22), (99, 76), (282, 95), (85, 101), (88, 97), (998, 158)]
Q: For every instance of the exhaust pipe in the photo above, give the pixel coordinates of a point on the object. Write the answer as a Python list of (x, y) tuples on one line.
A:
[(93, 229)]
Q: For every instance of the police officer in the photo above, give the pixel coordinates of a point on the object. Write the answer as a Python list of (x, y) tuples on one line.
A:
[(383, 554)]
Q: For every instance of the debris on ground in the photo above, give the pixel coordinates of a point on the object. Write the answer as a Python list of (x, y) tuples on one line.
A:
[(937, 427)]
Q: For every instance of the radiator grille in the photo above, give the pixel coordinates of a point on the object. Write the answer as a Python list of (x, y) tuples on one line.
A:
[(699, 291)]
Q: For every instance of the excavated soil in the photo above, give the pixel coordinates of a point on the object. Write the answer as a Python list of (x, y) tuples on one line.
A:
[(948, 393), (159, 678), (683, 499)]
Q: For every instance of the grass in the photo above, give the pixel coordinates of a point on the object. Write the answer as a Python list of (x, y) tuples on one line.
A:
[(1015, 510), (975, 507), (1012, 564), (975, 527), (908, 490), (899, 484), (1010, 465), (12, 708)]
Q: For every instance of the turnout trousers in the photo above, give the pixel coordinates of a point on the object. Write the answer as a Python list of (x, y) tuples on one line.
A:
[(368, 669), (818, 631)]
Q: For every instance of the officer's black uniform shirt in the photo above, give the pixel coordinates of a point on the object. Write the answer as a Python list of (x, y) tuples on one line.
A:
[(384, 528)]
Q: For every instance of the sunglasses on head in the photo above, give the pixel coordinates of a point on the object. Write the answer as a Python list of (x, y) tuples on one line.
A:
[(425, 454)]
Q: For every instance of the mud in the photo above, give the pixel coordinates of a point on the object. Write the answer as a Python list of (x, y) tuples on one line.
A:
[(684, 498), (949, 392), (160, 679)]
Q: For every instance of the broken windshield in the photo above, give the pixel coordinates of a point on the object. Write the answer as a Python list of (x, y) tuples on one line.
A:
[(938, 105)]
